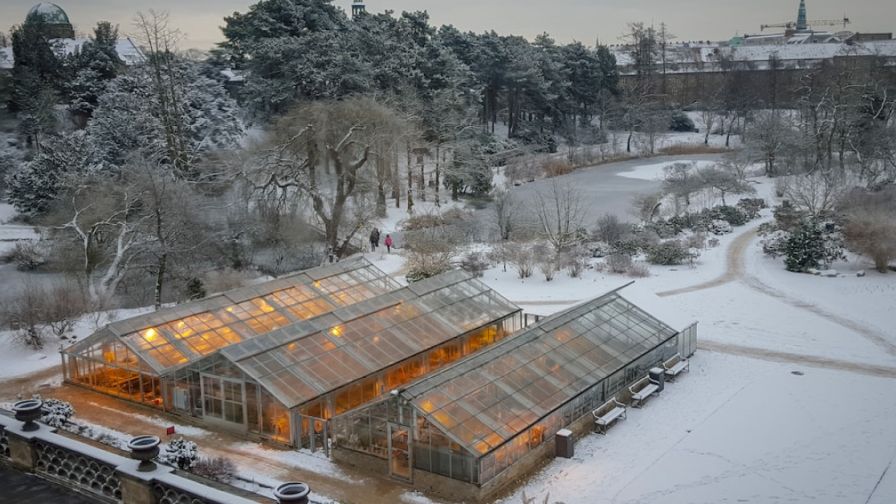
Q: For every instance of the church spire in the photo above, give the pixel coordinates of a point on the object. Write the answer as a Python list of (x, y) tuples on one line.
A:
[(801, 23)]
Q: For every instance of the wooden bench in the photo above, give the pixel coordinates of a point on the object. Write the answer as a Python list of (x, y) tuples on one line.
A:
[(607, 413), (675, 366), (641, 390)]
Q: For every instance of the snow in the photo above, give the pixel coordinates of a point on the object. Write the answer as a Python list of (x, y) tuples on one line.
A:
[(163, 423), (17, 359), (314, 462), (657, 171), (736, 430)]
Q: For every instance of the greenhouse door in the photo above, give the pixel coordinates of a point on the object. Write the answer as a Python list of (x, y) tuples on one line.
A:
[(223, 400), (399, 453), (313, 433)]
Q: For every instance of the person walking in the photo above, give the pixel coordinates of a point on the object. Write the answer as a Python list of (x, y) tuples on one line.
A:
[(388, 243), (374, 239)]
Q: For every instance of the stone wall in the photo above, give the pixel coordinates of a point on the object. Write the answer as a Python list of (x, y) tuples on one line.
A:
[(103, 476)]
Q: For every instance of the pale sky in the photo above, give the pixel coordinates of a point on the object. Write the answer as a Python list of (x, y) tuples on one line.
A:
[(566, 20)]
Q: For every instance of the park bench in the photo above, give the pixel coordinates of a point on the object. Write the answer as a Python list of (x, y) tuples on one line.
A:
[(675, 366), (641, 390), (607, 413)]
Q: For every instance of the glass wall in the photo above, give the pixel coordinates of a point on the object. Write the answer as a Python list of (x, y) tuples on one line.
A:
[(511, 451), (112, 368), (373, 387)]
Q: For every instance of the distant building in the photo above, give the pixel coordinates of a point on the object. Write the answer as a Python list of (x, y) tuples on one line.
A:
[(56, 20), (62, 37), (358, 7)]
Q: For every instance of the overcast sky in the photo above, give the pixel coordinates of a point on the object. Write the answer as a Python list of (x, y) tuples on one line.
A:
[(566, 20)]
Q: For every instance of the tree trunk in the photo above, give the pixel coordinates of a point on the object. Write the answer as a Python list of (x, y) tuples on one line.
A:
[(160, 279)]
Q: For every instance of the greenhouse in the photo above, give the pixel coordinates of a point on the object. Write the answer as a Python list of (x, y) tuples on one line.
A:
[(486, 418), (277, 360)]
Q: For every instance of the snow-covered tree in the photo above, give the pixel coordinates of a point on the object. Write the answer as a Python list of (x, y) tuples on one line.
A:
[(37, 184), (91, 68)]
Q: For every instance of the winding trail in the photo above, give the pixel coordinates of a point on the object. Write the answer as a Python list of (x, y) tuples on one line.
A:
[(736, 271), (736, 265)]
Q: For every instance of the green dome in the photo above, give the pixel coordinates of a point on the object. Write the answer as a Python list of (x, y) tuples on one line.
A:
[(50, 13)]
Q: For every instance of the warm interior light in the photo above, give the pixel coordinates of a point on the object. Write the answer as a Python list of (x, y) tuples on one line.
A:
[(150, 334), (336, 331), (427, 406)]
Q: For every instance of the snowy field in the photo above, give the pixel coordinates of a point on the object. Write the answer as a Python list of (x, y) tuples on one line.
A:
[(789, 399), (739, 430)]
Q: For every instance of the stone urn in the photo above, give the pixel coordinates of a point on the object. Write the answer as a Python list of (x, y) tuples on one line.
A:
[(292, 493), (144, 449), (28, 411)]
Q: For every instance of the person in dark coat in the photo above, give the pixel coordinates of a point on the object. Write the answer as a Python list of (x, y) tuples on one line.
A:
[(374, 239)]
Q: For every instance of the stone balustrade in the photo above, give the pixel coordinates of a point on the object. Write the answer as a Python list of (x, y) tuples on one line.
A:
[(105, 476)]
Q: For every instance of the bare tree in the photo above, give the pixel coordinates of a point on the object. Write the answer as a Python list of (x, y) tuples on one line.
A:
[(506, 207), (320, 152), (870, 227), (106, 226), (724, 181), (816, 193), (160, 40), (769, 134), (560, 215)]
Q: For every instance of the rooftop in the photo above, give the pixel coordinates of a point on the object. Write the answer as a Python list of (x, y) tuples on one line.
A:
[(488, 398)]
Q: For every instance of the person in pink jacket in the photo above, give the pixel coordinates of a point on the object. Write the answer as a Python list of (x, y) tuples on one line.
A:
[(388, 243)]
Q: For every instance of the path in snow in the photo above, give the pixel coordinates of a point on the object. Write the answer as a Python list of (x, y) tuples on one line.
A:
[(795, 358), (735, 265), (736, 271)]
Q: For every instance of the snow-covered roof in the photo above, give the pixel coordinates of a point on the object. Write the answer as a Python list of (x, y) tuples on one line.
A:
[(686, 58), (126, 48), (233, 75), (5, 58)]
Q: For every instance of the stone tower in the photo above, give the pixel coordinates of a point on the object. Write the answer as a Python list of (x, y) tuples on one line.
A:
[(358, 7), (801, 23)]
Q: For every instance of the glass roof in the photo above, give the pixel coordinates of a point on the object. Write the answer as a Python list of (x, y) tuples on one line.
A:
[(488, 398), (303, 361), (175, 336)]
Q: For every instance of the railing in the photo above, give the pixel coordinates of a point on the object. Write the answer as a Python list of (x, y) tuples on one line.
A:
[(100, 473), (73, 467), (4, 443)]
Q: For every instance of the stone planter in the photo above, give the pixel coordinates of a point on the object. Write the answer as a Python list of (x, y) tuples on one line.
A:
[(292, 493), (28, 411), (144, 449)]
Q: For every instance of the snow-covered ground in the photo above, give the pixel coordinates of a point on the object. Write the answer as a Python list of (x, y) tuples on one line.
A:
[(789, 399), (17, 359), (738, 430)]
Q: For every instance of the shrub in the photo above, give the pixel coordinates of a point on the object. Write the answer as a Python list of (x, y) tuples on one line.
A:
[(774, 243), (681, 123), (217, 468), (696, 241), (719, 227), (474, 263), (751, 207), (619, 263), (56, 413), (575, 261), (811, 245), (557, 168), (669, 253), (731, 215), (27, 255), (610, 229), (871, 226), (180, 453), (638, 269), (522, 258)]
